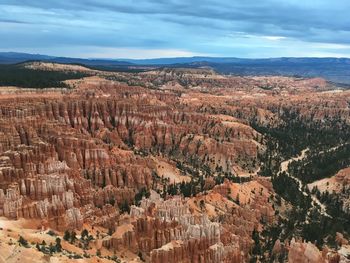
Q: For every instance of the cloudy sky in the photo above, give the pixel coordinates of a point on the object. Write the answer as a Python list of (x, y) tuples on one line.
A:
[(172, 28)]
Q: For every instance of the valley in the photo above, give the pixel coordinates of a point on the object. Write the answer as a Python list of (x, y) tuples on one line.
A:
[(172, 165)]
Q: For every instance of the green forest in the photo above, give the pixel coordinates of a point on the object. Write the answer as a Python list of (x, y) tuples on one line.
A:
[(19, 76), (304, 219)]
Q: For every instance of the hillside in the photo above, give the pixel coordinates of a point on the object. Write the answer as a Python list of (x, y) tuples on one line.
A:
[(333, 69)]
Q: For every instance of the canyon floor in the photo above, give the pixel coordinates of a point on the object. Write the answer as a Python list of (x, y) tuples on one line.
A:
[(173, 165)]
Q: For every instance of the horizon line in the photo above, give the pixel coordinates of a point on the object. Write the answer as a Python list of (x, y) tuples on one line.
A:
[(174, 57)]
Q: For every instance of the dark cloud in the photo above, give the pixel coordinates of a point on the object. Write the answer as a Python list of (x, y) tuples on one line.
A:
[(12, 21), (194, 25)]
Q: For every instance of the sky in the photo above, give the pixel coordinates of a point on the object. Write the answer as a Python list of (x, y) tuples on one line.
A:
[(176, 28)]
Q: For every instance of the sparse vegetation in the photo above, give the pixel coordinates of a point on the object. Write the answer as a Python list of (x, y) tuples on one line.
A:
[(124, 207), (51, 233), (23, 242), (283, 142), (142, 193)]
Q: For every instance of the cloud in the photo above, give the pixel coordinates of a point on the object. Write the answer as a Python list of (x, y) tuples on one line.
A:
[(273, 38), (11, 21), (138, 53), (223, 27)]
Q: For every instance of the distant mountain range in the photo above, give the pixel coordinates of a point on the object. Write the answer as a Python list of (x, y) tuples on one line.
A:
[(333, 69), (14, 57)]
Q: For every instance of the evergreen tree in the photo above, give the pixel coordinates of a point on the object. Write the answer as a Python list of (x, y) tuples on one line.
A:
[(58, 246), (23, 242), (66, 235), (73, 237)]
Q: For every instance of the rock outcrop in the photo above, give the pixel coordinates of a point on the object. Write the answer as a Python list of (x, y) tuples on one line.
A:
[(300, 252)]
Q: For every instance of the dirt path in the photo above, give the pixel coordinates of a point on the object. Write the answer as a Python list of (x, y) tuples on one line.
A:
[(284, 168)]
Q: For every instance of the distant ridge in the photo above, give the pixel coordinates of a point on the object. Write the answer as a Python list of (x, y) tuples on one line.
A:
[(333, 69), (185, 60), (14, 57)]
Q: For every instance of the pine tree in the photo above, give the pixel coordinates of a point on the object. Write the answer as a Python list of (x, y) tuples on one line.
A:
[(22, 241), (66, 235), (84, 234), (58, 245), (73, 237)]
